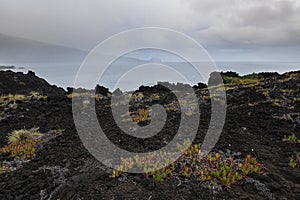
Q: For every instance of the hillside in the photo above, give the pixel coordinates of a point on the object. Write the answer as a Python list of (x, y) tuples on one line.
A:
[(263, 113), (22, 50)]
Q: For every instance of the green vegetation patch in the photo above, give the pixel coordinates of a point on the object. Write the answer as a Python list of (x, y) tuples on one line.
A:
[(295, 160), (214, 168), (4, 169), (12, 100), (21, 143), (246, 81)]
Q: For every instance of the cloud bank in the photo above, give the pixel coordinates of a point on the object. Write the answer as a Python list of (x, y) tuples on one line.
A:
[(248, 29)]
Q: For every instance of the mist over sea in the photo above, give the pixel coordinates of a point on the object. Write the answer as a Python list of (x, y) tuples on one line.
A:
[(63, 74)]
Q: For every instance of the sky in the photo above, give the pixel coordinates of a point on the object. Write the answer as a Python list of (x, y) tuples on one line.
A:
[(242, 30)]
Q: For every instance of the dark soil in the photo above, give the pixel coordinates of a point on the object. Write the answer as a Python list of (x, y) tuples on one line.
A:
[(258, 117)]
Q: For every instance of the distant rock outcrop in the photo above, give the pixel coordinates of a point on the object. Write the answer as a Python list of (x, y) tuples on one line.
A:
[(7, 67)]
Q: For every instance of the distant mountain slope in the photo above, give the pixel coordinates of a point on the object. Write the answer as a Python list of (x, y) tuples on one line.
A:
[(15, 49)]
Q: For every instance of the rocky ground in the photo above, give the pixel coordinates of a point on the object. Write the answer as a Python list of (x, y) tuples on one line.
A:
[(262, 111)]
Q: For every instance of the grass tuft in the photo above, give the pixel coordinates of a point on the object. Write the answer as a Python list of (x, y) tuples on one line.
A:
[(21, 143), (23, 135)]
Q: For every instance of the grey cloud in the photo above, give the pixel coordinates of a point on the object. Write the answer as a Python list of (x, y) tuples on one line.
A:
[(226, 24), (84, 23), (257, 22)]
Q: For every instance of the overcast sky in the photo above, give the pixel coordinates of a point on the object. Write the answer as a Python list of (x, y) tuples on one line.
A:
[(229, 29)]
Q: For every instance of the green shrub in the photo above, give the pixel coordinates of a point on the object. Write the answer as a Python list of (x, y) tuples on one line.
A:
[(25, 149), (3, 169), (21, 143), (23, 135), (143, 115), (6, 100), (37, 95), (294, 161), (243, 81), (292, 138), (214, 168)]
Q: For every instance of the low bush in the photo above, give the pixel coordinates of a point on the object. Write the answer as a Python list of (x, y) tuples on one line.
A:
[(292, 139), (11, 100), (21, 143), (3, 169), (215, 168), (142, 115), (23, 135), (25, 150), (295, 160)]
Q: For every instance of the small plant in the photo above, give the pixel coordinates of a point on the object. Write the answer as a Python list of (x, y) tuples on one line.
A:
[(57, 131), (11, 101), (292, 138), (289, 118), (98, 97), (8, 99), (37, 95), (137, 96), (4, 169), (162, 174), (126, 165), (22, 143), (287, 91), (293, 76), (293, 163), (295, 100), (23, 135), (143, 115), (214, 168), (246, 81), (289, 77), (13, 105), (155, 96), (205, 98), (25, 149), (266, 93), (278, 103), (152, 164), (250, 165), (82, 94)]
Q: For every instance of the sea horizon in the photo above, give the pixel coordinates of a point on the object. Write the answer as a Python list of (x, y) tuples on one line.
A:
[(63, 74)]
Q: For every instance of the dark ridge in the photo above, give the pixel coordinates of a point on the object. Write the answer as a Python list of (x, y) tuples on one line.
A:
[(19, 83)]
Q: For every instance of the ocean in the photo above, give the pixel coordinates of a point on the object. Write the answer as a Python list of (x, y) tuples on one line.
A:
[(63, 74)]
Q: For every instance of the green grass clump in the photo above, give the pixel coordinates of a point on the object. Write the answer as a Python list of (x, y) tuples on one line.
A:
[(243, 81), (23, 135), (292, 138), (56, 131), (21, 143), (4, 169), (296, 99), (142, 115), (215, 168), (37, 95), (294, 161), (7, 99), (83, 94), (25, 150), (11, 100)]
